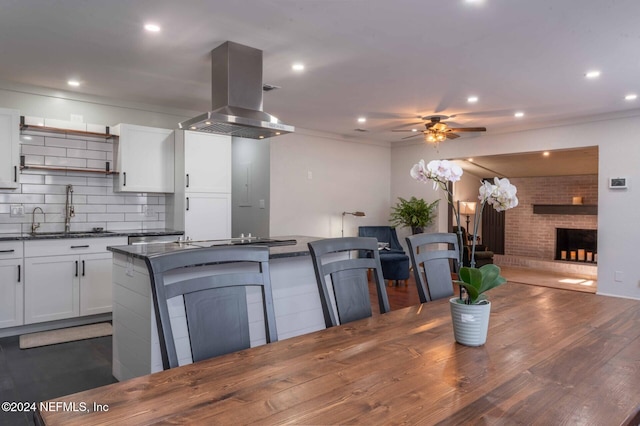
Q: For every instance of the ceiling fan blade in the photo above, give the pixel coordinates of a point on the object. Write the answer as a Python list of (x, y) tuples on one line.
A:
[(452, 135), (413, 136), (406, 130), (468, 129)]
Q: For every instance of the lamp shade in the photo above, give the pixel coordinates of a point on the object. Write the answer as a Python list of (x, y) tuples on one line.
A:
[(467, 207)]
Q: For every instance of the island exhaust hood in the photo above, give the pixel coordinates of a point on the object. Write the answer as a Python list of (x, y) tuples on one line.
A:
[(236, 96)]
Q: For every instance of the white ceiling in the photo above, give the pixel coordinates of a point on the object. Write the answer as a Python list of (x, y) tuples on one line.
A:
[(391, 61)]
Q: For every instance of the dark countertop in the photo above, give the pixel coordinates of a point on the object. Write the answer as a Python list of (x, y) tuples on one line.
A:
[(88, 234), (142, 251)]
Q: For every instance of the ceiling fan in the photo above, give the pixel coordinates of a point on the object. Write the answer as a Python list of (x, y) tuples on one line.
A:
[(438, 131)]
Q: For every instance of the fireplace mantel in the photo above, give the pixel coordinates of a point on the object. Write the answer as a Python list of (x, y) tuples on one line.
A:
[(565, 209)]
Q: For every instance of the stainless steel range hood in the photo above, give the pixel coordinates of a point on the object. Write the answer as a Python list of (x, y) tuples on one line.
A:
[(236, 96)]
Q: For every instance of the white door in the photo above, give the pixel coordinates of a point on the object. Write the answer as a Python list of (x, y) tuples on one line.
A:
[(207, 162), (11, 293), (95, 283), (208, 216), (51, 288)]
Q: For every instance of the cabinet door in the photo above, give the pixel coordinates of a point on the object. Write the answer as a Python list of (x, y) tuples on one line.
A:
[(95, 283), (11, 293), (208, 216), (9, 147), (144, 159), (51, 288), (207, 162)]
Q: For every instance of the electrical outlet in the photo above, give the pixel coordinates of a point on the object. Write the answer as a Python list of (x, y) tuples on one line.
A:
[(618, 276), (17, 210), (309, 174), (149, 211), (261, 204)]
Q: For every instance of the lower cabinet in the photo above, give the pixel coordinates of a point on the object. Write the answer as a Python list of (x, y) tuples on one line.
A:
[(11, 291), (67, 285)]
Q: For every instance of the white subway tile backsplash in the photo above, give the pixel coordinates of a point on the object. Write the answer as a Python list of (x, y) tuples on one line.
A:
[(43, 150), (119, 208), (84, 153), (34, 160), (98, 164), (91, 208), (95, 203), (105, 217), (32, 179), (32, 139), (65, 162), (100, 146), (65, 143), (65, 180)]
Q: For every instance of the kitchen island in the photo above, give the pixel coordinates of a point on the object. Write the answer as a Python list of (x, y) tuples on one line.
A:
[(136, 348)]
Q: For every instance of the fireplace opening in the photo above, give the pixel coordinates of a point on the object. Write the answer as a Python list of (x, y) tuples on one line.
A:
[(577, 245)]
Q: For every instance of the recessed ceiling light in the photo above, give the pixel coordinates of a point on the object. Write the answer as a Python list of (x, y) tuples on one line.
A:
[(261, 137), (519, 114), (631, 97), (277, 133), (152, 28), (414, 130), (472, 99), (546, 153), (193, 127), (297, 67), (470, 160), (27, 138), (208, 123), (362, 119), (592, 74), (74, 83)]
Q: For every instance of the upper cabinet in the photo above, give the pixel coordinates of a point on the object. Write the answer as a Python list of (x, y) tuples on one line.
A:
[(206, 158), (9, 147), (144, 159)]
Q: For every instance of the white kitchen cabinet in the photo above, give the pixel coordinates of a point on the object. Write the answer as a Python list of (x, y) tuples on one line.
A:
[(201, 206), (11, 284), (204, 160), (67, 278), (207, 216), (9, 147), (144, 159), (51, 288)]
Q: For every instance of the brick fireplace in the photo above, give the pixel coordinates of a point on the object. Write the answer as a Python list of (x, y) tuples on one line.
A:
[(531, 235)]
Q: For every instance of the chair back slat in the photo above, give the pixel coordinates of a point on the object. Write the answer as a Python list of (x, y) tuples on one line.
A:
[(349, 285), (212, 284), (431, 264)]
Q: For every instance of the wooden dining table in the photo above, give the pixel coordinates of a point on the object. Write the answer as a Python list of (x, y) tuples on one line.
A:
[(552, 357)]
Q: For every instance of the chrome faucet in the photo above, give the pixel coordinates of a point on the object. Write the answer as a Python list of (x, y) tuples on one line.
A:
[(35, 225), (69, 209)]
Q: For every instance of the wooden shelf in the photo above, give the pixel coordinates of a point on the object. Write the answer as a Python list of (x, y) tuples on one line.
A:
[(571, 209), (33, 128), (106, 171)]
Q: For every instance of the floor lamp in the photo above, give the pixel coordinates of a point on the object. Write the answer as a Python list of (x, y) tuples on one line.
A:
[(359, 214), (468, 208)]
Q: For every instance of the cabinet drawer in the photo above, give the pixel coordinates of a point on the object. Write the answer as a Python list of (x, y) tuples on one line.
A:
[(11, 249), (71, 246)]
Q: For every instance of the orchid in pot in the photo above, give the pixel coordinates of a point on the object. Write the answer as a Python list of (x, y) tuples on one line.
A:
[(470, 312)]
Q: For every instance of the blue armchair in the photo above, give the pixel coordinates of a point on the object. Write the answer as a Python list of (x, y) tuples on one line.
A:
[(395, 262)]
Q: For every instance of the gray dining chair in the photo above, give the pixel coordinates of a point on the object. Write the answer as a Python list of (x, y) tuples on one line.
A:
[(212, 284), (433, 263), (348, 285)]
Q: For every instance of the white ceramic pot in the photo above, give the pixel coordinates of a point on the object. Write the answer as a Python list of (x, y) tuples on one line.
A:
[(470, 322)]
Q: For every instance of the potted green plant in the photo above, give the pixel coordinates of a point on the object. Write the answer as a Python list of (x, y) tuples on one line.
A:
[(470, 312), (414, 213)]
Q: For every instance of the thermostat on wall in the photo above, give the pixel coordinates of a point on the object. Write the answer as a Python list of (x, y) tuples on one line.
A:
[(617, 183)]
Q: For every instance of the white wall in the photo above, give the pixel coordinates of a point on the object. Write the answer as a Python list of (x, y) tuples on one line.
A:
[(619, 153), (345, 176)]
